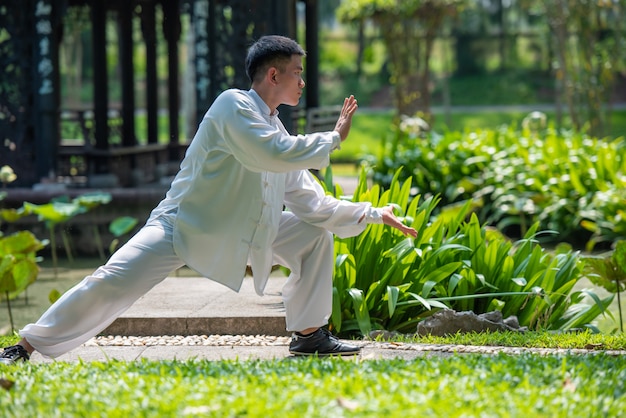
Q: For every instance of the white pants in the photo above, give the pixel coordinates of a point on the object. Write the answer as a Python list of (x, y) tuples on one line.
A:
[(149, 257)]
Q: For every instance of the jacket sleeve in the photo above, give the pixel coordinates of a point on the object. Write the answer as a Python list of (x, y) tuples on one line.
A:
[(261, 146), (306, 198)]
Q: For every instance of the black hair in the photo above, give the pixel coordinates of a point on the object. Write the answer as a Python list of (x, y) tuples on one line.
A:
[(268, 51)]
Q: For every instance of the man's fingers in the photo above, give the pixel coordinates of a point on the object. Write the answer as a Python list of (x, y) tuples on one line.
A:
[(349, 106), (407, 230), (412, 232), (393, 221)]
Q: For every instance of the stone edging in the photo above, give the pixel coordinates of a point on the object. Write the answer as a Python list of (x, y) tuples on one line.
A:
[(466, 349), (266, 340)]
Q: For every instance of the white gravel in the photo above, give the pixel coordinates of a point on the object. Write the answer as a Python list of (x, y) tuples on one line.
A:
[(268, 340), (182, 340)]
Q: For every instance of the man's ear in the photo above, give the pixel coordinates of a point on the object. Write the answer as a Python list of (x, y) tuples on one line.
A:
[(272, 72)]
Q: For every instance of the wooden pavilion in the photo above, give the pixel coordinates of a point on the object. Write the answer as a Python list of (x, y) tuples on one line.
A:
[(106, 151)]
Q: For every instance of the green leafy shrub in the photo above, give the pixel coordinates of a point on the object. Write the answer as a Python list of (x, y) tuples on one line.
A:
[(567, 181), (121, 226), (384, 280), (556, 180), (60, 210), (18, 265), (449, 165), (18, 261), (52, 214), (604, 214), (610, 273)]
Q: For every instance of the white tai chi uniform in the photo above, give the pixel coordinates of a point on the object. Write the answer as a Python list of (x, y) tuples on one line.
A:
[(224, 210)]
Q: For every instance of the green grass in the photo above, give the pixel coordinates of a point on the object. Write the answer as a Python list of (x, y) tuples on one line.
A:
[(366, 136), (432, 386), (496, 88), (568, 340)]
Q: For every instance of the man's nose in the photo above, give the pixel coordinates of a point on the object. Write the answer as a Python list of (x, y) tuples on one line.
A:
[(302, 83)]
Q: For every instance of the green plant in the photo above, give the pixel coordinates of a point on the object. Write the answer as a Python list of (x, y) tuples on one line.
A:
[(53, 214), (91, 201), (18, 265), (449, 165), (604, 215), (61, 210), (567, 181), (384, 280), (119, 227), (610, 273), (550, 177)]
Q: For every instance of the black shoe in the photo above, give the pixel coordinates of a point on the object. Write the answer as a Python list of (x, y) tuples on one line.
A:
[(13, 354), (321, 343)]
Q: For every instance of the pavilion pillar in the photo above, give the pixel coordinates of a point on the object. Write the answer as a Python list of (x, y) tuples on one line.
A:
[(312, 54), (203, 33), (47, 86), (284, 23), (148, 30), (125, 28), (171, 32), (100, 77)]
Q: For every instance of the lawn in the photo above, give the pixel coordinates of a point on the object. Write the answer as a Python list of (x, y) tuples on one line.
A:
[(433, 386)]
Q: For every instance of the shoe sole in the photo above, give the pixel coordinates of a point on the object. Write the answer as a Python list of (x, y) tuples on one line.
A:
[(344, 353)]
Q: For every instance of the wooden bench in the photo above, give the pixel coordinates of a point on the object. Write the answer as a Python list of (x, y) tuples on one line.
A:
[(132, 165), (321, 119), (77, 126), (318, 119)]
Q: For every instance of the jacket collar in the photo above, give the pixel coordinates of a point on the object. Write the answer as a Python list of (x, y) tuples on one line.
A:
[(265, 109)]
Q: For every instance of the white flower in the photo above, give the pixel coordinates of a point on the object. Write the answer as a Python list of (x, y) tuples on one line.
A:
[(534, 121), (7, 175), (413, 125)]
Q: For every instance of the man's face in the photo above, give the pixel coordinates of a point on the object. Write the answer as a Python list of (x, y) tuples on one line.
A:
[(290, 82)]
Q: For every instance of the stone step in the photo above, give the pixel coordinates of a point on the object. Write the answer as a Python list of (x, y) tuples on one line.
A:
[(199, 306)]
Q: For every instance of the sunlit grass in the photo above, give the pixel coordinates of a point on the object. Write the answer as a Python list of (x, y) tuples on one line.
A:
[(430, 386), (534, 339)]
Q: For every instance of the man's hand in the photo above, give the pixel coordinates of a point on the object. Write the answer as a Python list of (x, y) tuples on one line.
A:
[(345, 118), (390, 219)]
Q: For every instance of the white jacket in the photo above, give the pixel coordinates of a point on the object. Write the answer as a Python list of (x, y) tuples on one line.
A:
[(240, 169)]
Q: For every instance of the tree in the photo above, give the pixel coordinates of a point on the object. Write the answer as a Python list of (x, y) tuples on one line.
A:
[(409, 29), (588, 43)]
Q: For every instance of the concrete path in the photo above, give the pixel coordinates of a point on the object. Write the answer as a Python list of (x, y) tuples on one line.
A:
[(213, 322), (216, 353), (186, 306)]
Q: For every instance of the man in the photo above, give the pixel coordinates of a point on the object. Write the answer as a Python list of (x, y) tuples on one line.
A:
[(224, 210)]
